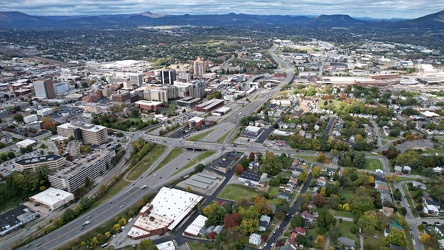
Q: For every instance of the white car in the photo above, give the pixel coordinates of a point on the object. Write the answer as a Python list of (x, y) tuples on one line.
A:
[(414, 242)]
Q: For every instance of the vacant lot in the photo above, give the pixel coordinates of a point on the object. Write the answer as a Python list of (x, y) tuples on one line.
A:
[(237, 192), (373, 164)]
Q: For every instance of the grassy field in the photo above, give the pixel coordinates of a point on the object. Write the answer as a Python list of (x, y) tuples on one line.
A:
[(200, 136), (372, 164), (222, 139), (273, 190), (197, 246), (343, 213), (308, 158), (196, 160), (115, 189), (335, 103), (344, 230), (347, 193), (175, 152), (146, 162), (236, 192)]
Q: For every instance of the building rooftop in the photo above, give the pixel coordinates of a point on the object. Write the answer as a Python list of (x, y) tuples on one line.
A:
[(81, 163), (40, 159), (169, 208), (252, 176), (9, 218), (51, 196)]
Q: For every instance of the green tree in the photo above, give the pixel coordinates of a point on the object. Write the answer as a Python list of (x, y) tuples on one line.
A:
[(303, 177), (297, 221), (368, 222), (18, 117), (316, 171), (321, 157), (395, 237), (325, 220), (361, 204), (249, 226), (146, 245), (215, 214), (94, 242)]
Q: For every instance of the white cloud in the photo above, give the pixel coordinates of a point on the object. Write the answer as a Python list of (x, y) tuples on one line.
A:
[(356, 8)]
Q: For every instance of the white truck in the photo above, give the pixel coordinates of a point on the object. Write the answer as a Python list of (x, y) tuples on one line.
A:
[(86, 223)]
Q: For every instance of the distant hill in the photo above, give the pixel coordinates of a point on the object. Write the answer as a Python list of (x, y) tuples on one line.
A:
[(432, 20), (19, 20)]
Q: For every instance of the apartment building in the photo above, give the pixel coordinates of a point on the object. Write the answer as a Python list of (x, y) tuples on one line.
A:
[(91, 166), (88, 133), (52, 161)]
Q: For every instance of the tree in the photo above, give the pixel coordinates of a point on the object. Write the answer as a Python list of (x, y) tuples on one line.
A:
[(297, 221), (116, 227), (108, 235), (94, 242), (249, 226), (215, 214), (146, 245), (424, 238), (395, 237), (11, 155), (212, 235), (232, 220), (251, 157), (316, 171), (18, 117), (397, 194), (262, 205), (361, 204), (86, 149), (239, 169), (303, 177), (368, 222), (319, 200), (320, 241), (245, 162), (321, 157), (325, 220)]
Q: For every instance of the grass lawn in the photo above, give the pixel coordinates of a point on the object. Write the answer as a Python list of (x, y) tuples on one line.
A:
[(134, 119), (313, 231), (273, 190), (197, 246), (343, 213), (308, 158), (432, 151), (335, 103), (407, 195), (196, 160), (372, 164), (237, 192), (222, 139), (200, 136), (384, 141), (390, 138), (115, 189), (344, 230), (146, 162), (124, 141), (172, 155), (347, 193)]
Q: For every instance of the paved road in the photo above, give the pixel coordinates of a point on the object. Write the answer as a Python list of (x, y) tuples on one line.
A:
[(413, 222), (293, 210)]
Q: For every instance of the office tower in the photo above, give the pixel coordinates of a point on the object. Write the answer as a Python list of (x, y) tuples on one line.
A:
[(44, 89), (167, 76)]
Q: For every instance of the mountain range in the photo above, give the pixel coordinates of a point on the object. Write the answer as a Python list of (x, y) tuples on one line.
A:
[(19, 20)]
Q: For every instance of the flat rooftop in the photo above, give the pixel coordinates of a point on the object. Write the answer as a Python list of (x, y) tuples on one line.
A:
[(9, 218), (51, 196), (40, 159)]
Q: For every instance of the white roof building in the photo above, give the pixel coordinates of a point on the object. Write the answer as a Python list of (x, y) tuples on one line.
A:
[(25, 143), (167, 245), (165, 212), (52, 198), (195, 227)]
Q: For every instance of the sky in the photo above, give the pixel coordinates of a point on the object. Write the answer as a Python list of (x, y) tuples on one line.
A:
[(384, 9)]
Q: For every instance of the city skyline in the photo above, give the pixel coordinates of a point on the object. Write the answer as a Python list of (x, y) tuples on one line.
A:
[(358, 8)]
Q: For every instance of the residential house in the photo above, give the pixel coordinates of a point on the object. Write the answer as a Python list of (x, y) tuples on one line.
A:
[(439, 230), (431, 207), (386, 198), (253, 164), (419, 185), (437, 170), (264, 222), (387, 211), (321, 181), (381, 186), (398, 169), (307, 216), (406, 170), (299, 230), (346, 242), (335, 160), (285, 196), (255, 239)]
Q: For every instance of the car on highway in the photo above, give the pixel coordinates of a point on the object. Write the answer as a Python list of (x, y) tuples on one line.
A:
[(144, 186)]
